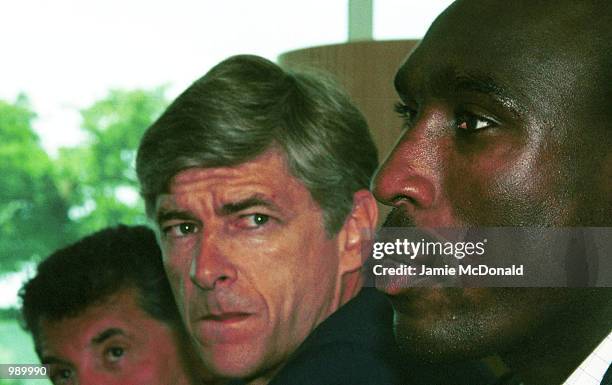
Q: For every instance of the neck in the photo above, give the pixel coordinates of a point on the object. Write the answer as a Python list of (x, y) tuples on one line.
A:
[(350, 286), (555, 352)]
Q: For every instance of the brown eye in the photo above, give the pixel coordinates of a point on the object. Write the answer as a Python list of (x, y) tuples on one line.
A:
[(114, 354), (61, 376), (469, 122)]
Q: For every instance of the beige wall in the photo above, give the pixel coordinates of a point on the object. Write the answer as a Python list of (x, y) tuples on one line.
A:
[(366, 70)]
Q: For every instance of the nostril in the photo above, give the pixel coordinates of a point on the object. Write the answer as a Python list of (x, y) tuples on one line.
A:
[(403, 199), (223, 280), (419, 191), (414, 191)]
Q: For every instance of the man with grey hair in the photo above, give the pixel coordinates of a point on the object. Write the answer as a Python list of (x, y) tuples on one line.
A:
[(262, 210)]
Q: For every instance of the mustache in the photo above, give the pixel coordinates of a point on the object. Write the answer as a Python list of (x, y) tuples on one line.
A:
[(398, 218)]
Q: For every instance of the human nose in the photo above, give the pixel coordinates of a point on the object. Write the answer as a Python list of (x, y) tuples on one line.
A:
[(409, 178), (210, 268)]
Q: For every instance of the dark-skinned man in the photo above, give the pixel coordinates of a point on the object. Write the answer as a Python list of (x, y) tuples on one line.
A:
[(507, 109)]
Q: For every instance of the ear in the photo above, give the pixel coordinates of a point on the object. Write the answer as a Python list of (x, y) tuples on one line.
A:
[(357, 232)]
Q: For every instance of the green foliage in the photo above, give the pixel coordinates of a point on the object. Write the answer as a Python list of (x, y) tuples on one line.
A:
[(46, 203), (99, 177), (33, 214)]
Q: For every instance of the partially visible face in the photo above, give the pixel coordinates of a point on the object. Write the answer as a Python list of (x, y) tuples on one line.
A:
[(501, 129), (250, 263), (113, 343)]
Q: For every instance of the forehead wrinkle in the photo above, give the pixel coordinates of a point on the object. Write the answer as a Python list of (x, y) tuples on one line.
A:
[(271, 160), (195, 174), (278, 196), (223, 189)]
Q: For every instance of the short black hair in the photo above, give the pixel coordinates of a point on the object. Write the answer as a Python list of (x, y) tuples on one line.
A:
[(94, 268), (247, 105)]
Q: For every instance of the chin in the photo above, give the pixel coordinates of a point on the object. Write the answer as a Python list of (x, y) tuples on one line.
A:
[(233, 361), (450, 325), (442, 341)]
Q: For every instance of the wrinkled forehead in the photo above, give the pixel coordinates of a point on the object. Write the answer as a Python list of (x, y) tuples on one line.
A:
[(266, 180)]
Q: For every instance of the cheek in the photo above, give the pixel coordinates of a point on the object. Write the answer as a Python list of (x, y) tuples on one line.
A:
[(300, 271), (178, 253), (315, 276), (274, 267), (160, 366), (498, 188), (177, 271), (159, 356)]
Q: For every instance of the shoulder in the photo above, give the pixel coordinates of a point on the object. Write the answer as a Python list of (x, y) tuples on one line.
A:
[(353, 346), (340, 364)]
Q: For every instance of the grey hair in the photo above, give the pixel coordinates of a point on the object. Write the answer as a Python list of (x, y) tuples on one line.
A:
[(246, 105)]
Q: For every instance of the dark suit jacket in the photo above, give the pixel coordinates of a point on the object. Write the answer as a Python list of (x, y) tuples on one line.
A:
[(354, 346)]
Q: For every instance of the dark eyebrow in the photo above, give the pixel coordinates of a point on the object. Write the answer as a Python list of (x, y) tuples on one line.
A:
[(106, 334), (450, 79), (479, 83), (50, 360), (254, 201), (98, 339), (166, 215)]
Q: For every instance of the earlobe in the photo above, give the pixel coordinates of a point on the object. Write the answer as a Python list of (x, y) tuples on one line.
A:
[(357, 232)]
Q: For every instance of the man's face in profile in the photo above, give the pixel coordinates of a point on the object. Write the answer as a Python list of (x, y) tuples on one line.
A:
[(500, 130), (250, 262), (114, 343)]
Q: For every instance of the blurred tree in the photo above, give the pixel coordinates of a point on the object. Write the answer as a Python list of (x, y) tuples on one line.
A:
[(33, 213), (46, 203), (98, 177)]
